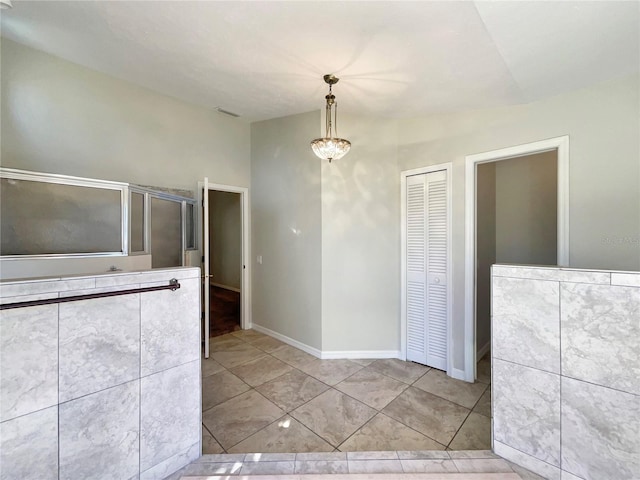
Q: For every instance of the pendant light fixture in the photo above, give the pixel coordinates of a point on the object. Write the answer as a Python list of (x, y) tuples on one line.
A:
[(330, 147)]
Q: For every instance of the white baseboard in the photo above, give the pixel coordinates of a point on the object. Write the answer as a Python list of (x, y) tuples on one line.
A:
[(364, 354), (226, 287), (329, 354), (288, 340), (482, 351)]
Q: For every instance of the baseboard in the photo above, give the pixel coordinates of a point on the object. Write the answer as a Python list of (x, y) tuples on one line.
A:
[(288, 340), (329, 355), (364, 354), (226, 287), (482, 351)]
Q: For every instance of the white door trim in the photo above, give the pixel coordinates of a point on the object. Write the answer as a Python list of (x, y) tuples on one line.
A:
[(448, 167), (245, 311), (561, 144)]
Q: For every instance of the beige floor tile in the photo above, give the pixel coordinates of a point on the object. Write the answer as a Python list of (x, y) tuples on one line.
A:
[(223, 342), (331, 371), (385, 434), (483, 407), (433, 416), (238, 418), (284, 435), (210, 367), (248, 335), (483, 369), (365, 362), (292, 390), (236, 355), (220, 387), (293, 356), (372, 388), (268, 344), (407, 372), (333, 415), (261, 370), (475, 434), (209, 444), (457, 391)]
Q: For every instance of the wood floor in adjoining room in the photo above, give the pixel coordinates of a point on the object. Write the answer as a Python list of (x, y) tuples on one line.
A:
[(261, 395), (224, 308)]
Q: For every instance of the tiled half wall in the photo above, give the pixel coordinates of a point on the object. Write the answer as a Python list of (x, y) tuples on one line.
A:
[(566, 371), (102, 388)]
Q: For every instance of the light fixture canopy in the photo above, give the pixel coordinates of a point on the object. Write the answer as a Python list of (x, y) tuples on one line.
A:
[(330, 147)]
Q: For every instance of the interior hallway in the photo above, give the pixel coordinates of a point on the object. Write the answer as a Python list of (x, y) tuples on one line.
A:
[(261, 395)]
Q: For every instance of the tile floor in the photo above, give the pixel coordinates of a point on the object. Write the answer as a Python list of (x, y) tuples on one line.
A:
[(261, 395)]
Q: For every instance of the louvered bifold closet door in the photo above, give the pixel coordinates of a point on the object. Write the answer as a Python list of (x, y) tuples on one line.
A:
[(436, 259), (426, 282), (416, 269)]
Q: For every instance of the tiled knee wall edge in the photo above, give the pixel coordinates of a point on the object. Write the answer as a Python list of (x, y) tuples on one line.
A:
[(99, 388), (566, 371)]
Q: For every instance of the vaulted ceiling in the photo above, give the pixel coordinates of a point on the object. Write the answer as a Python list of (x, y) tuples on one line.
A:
[(394, 58)]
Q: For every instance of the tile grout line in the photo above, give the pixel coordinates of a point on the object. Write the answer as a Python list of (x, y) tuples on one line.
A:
[(560, 368), (58, 406), (140, 385)]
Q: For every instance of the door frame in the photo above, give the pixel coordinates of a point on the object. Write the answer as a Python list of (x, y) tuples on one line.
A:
[(561, 144), (245, 294), (448, 167)]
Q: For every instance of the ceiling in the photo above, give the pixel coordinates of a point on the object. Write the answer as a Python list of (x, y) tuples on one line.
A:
[(400, 59)]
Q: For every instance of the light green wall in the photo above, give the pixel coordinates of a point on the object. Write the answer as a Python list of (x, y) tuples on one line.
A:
[(361, 240), (59, 117), (286, 218)]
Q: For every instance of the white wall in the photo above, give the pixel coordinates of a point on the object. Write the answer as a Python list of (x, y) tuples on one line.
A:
[(361, 240), (225, 238), (59, 117), (603, 123), (485, 249), (286, 217), (526, 209)]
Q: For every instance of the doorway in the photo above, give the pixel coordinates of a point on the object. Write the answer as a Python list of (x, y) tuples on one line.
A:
[(225, 247), (517, 212), (225, 262)]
